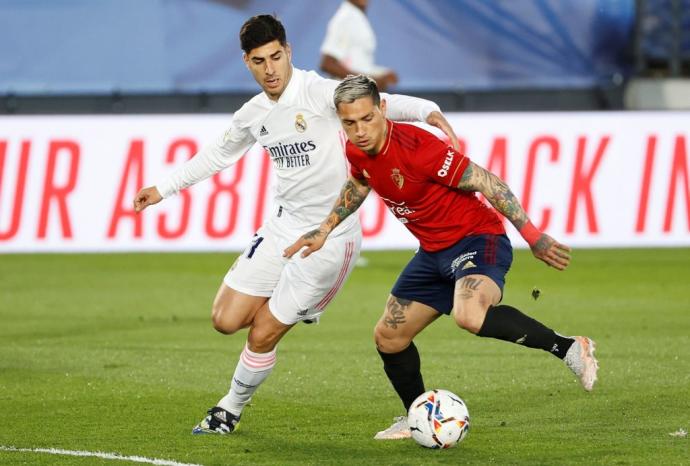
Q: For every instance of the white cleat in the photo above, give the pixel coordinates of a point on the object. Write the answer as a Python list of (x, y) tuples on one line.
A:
[(398, 430), (580, 359)]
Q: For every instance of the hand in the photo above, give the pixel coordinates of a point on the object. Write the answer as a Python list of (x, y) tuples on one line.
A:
[(552, 252), (314, 240), (391, 78), (385, 80), (146, 197), (437, 119)]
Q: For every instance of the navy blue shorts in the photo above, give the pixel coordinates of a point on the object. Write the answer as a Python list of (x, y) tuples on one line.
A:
[(429, 278)]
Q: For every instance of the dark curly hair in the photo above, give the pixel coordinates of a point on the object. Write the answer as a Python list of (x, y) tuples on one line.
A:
[(260, 30)]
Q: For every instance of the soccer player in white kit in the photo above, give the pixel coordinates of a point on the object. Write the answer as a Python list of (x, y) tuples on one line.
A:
[(350, 44), (294, 119)]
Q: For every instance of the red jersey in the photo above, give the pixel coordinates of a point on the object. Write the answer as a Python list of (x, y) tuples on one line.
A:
[(416, 175)]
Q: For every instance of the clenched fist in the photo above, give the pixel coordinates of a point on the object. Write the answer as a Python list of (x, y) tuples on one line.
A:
[(146, 197)]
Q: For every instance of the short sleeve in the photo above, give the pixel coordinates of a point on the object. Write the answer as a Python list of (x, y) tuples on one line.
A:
[(440, 162), (337, 38), (355, 171)]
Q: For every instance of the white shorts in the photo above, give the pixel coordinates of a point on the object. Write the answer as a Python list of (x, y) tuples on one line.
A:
[(299, 288)]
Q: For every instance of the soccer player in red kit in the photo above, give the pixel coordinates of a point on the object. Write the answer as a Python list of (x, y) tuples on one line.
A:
[(464, 252)]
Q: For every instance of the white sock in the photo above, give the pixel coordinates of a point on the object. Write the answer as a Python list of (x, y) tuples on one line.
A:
[(252, 369)]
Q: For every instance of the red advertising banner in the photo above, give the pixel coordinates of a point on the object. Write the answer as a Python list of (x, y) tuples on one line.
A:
[(589, 179)]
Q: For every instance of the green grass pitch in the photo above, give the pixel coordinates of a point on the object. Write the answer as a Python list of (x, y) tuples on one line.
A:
[(116, 353)]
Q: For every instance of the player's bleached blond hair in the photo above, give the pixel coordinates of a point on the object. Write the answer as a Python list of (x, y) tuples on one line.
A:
[(356, 87)]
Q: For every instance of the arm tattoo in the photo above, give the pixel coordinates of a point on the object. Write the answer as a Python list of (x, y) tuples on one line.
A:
[(351, 197), (313, 234), (543, 244), (395, 312), (499, 195)]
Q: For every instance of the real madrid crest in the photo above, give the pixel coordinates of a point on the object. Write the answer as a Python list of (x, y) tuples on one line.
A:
[(300, 123), (397, 178)]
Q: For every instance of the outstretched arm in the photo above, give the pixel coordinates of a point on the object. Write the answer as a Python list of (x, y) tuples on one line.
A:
[(499, 195), (351, 196), (333, 66), (406, 108)]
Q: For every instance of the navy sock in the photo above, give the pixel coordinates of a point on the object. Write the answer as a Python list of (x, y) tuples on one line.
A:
[(508, 324), (404, 371)]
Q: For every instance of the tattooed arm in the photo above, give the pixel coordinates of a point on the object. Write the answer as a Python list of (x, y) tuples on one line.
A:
[(351, 196), (499, 195)]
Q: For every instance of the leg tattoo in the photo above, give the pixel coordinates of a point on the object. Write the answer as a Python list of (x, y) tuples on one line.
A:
[(468, 286), (395, 311)]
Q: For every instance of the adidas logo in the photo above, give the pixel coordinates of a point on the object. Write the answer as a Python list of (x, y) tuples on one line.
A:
[(263, 132), (220, 415), (521, 340), (468, 265), (303, 312)]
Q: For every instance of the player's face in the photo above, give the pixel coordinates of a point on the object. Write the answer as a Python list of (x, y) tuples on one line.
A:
[(364, 123), (271, 66)]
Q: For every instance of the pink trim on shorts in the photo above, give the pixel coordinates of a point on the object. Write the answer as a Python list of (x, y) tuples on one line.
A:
[(349, 249)]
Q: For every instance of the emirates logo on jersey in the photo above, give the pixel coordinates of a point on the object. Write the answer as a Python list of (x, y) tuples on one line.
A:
[(300, 123), (397, 178)]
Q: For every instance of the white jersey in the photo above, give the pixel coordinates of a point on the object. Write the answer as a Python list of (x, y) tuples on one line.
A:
[(351, 40), (302, 134)]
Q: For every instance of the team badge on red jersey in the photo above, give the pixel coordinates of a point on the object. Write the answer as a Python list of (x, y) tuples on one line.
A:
[(397, 178), (300, 123)]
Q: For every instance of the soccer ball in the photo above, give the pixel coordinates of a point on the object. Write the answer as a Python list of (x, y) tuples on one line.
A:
[(438, 419)]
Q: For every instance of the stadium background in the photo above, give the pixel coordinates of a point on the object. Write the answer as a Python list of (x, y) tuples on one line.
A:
[(605, 179), (583, 106)]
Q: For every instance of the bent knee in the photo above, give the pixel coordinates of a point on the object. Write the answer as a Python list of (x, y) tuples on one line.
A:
[(389, 341), (223, 322), (470, 318), (225, 326)]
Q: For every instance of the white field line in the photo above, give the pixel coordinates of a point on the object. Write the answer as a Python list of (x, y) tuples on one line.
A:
[(98, 454)]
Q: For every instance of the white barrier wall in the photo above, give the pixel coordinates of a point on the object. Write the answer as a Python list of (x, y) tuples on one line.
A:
[(589, 179)]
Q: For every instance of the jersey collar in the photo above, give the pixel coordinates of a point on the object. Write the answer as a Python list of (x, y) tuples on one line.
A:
[(386, 144)]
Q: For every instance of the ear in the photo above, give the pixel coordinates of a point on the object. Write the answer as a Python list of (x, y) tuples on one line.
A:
[(245, 58), (288, 50), (382, 105)]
